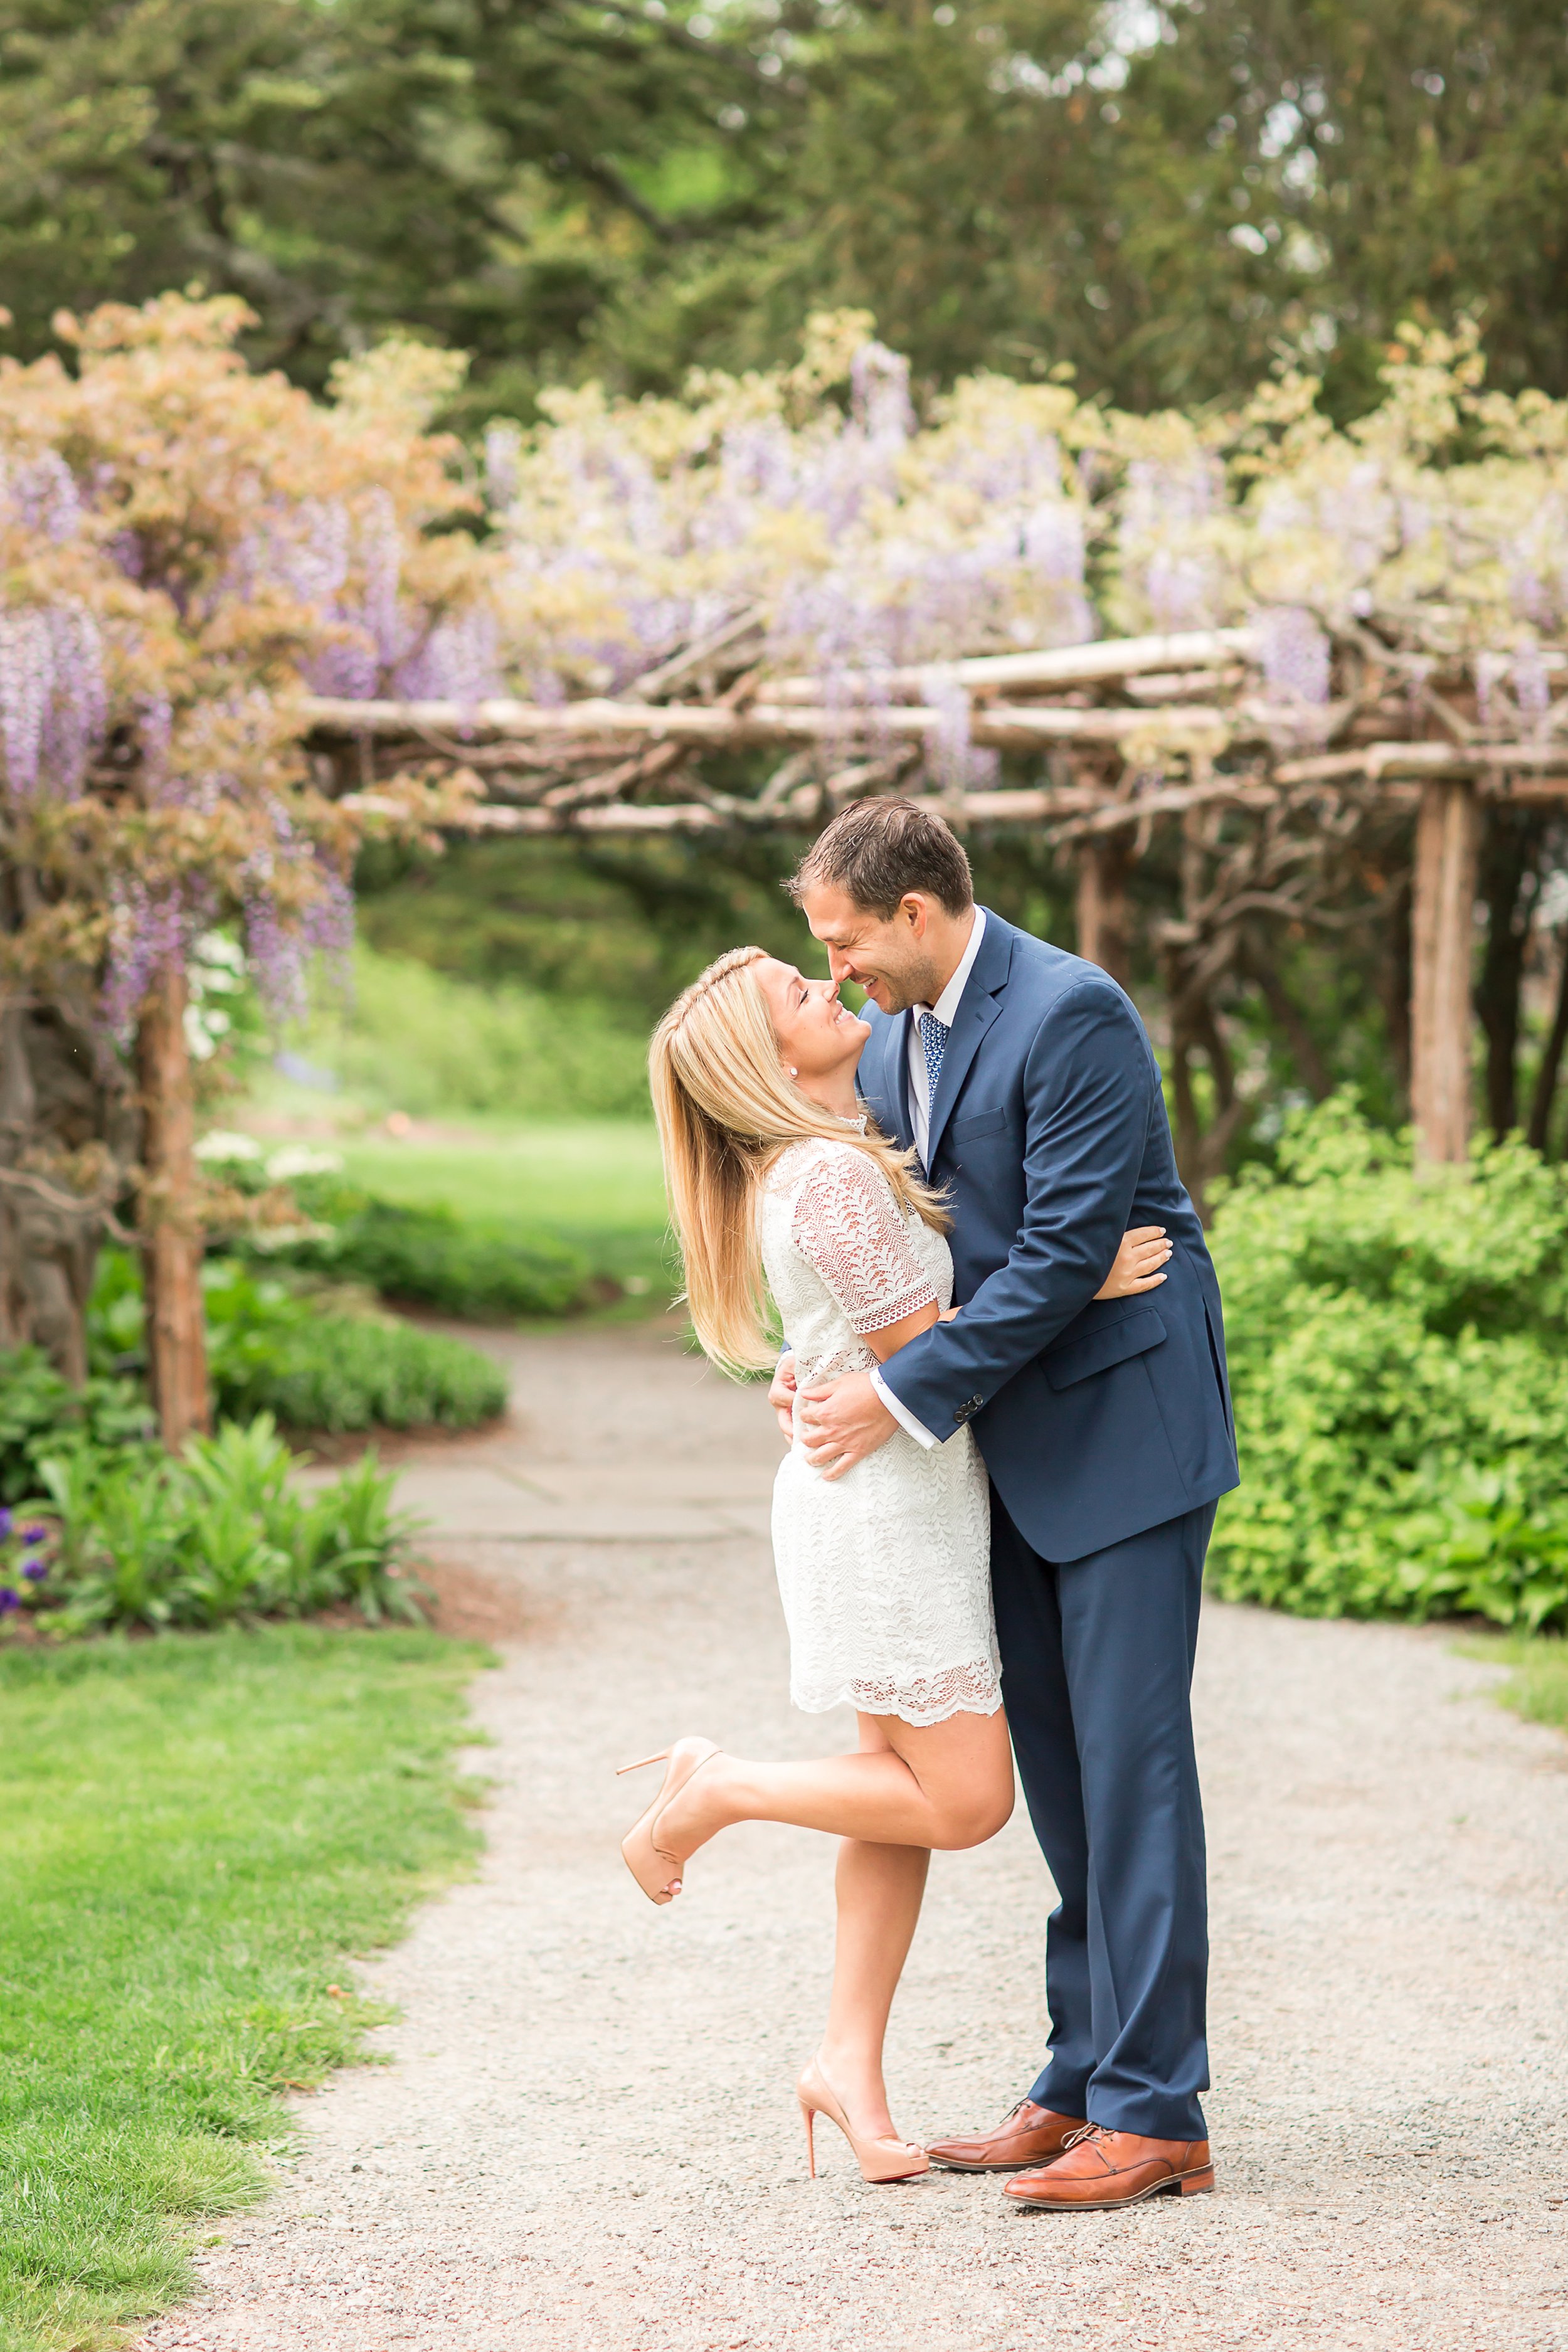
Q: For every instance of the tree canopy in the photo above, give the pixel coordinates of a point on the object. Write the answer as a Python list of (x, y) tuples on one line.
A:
[(1160, 198)]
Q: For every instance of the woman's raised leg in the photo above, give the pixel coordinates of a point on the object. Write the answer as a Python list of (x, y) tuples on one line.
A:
[(939, 1784)]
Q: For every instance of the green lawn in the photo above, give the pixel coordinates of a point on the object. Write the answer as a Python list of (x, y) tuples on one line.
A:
[(597, 1183), (1539, 1688), (195, 1834)]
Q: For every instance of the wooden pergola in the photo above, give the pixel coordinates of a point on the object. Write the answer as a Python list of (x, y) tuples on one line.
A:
[(1134, 734)]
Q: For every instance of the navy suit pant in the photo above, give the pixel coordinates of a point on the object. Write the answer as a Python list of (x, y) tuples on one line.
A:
[(1097, 1669)]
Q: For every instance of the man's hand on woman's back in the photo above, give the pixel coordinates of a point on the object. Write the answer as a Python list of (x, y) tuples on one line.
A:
[(781, 1395)]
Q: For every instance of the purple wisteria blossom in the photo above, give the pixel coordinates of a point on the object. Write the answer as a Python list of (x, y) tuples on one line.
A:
[(351, 571), (54, 700), (280, 952), (1164, 505), (1531, 684), (458, 661), (1294, 655), (149, 931), (642, 551), (1490, 670), (42, 493)]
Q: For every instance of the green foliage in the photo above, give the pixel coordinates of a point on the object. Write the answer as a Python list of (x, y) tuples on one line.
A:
[(39, 1410), (414, 1041), (277, 1350), (194, 1833), (431, 1257), (346, 168), (221, 1532), (1400, 1379), (583, 927), (1538, 1686), (344, 1372), (1159, 200)]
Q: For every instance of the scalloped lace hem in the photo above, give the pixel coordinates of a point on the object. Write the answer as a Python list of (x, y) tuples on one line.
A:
[(970, 1689)]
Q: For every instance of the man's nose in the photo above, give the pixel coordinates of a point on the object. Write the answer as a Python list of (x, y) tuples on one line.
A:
[(839, 964)]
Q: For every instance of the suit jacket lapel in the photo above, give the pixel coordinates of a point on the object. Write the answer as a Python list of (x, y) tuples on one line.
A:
[(887, 1089), (897, 1079), (977, 1009)]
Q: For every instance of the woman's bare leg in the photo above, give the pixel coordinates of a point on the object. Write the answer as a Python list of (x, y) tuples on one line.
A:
[(939, 1784), (878, 1890)]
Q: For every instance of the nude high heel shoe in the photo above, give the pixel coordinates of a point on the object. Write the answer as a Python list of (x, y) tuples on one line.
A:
[(881, 2161), (656, 1872)]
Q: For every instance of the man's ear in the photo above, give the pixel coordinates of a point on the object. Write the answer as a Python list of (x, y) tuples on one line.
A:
[(912, 907)]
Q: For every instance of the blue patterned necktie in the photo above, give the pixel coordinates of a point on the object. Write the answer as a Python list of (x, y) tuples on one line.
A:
[(934, 1034)]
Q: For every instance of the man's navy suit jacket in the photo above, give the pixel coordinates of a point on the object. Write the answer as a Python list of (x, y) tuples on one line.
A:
[(1096, 1418)]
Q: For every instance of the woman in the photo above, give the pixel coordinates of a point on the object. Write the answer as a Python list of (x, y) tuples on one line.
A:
[(779, 1185)]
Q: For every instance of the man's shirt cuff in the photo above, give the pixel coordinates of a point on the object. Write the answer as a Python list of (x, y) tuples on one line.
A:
[(902, 1412)]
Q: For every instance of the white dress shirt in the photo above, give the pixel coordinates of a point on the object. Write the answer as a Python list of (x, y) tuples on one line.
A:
[(946, 1010)]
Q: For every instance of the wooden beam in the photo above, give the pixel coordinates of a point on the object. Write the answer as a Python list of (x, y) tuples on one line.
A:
[(691, 658), (1102, 907), (800, 806), (1016, 725), (175, 1320), (1003, 725), (1443, 926), (1057, 665), (1377, 761)]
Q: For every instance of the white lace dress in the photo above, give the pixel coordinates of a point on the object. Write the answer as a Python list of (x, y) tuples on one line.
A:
[(886, 1572)]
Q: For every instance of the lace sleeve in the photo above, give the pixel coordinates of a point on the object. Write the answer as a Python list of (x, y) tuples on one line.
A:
[(847, 1225)]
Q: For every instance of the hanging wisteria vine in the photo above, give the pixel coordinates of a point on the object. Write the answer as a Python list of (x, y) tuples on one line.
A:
[(186, 547)]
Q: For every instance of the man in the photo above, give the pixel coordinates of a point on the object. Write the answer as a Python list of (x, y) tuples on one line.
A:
[(1023, 1078)]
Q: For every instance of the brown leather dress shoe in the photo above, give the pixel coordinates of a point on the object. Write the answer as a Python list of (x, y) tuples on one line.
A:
[(1030, 2134), (1114, 2168)]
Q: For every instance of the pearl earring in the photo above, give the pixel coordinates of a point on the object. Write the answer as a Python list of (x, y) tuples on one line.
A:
[(793, 1071)]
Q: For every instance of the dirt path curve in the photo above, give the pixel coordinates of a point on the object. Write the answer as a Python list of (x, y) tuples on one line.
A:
[(587, 2137)]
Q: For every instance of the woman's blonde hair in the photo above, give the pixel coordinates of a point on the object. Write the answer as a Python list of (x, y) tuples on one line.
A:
[(725, 1111)]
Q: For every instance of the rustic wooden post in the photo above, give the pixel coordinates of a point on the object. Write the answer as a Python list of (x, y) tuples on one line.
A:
[(1443, 931), (171, 1224), (1102, 908)]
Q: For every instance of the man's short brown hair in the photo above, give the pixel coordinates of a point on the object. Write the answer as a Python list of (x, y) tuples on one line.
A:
[(877, 851)]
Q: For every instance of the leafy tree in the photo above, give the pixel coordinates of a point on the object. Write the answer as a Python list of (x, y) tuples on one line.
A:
[(471, 170), (183, 545), (1158, 198), (1161, 197)]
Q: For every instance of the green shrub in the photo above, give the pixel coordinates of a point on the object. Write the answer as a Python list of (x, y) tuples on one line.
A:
[(221, 1532), (1400, 1369), (40, 1412), (432, 1257), (271, 1349), (416, 1040), (424, 1254), (345, 1372)]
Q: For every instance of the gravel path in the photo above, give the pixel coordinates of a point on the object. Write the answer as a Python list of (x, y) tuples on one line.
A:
[(587, 2138)]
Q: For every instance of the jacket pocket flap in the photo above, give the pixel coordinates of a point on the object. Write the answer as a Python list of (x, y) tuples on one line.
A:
[(1097, 1350), (982, 1122)]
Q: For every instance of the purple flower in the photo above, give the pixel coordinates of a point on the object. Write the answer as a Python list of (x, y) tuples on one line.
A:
[(35, 1571), (4, 1522), (9, 1599), (1296, 655), (35, 1535)]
